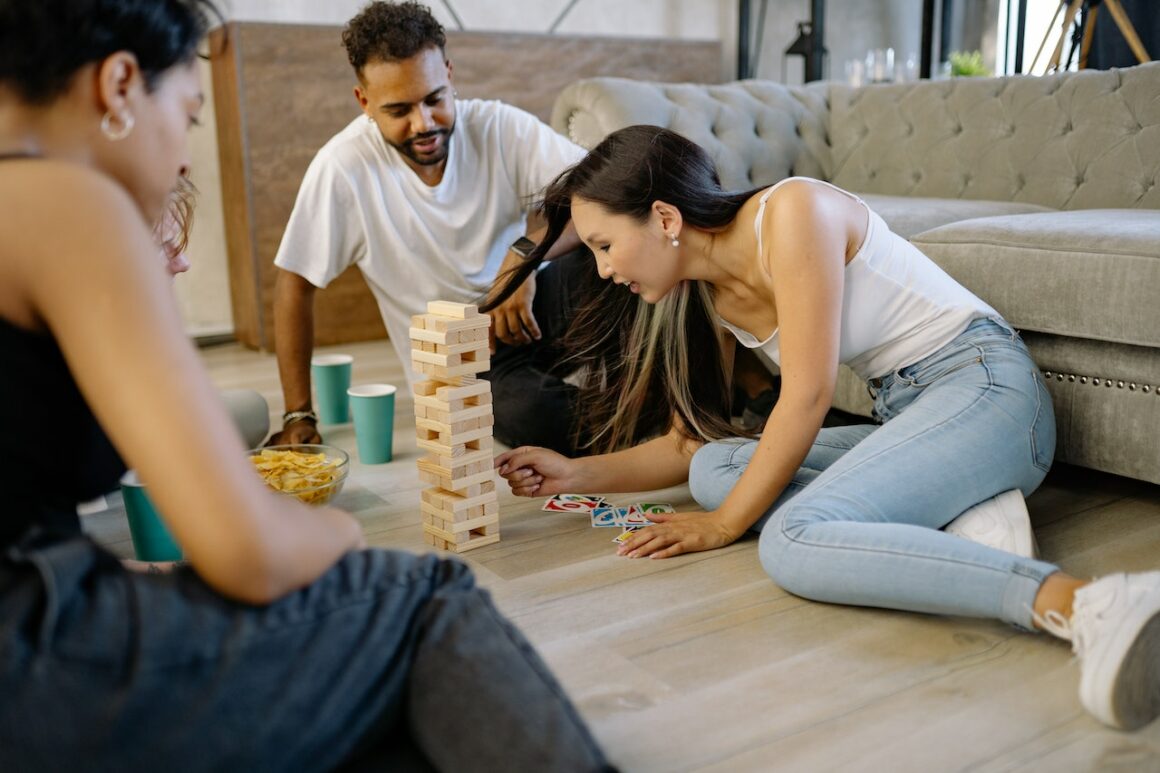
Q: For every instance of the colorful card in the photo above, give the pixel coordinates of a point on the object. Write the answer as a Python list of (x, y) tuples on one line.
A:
[(607, 516), (650, 508), (621, 538), (573, 503)]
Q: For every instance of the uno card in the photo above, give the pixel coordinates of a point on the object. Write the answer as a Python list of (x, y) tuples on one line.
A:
[(573, 503), (621, 538), (607, 516), (649, 508)]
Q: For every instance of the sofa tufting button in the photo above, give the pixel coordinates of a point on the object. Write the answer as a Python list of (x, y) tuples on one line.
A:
[(1047, 374), (1059, 377), (1071, 378), (1083, 379), (1131, 387), (1119, 385), (1108, 383), (1147, 388), (1095, 382)]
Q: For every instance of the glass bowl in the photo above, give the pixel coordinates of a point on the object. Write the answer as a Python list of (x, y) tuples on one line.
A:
[(313, 473)]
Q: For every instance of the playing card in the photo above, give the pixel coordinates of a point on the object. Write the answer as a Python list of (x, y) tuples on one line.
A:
[(621, 538), (607, 516), (634, 516), (649, 508), (573, 503)]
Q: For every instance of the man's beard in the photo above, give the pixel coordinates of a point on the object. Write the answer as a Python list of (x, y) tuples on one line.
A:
[(427, 160)]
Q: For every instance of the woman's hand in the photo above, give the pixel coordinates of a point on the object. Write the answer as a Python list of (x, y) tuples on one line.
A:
[(677, 533), (533, 471)]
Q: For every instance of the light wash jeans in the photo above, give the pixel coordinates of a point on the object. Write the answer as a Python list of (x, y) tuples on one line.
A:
[(859, 523)]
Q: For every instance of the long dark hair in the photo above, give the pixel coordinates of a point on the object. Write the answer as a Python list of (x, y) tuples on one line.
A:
[(645, 366), (44, 42)]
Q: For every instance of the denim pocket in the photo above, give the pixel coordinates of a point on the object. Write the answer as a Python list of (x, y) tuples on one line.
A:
[(923, 374), (1042, 432)]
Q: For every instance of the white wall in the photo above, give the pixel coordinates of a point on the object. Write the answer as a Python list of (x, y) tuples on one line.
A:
[(852, 26)]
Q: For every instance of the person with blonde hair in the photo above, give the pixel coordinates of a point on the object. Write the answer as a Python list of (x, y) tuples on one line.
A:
[(285, 644), (809, 274)]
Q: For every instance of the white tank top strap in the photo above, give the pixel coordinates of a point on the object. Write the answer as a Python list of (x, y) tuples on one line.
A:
[(769, 191)]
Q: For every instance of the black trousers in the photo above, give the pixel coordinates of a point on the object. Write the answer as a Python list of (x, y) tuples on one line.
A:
[(532, 404)]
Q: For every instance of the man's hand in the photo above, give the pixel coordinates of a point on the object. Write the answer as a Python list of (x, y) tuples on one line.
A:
[(678, 533), (512, 321), (295, 433)]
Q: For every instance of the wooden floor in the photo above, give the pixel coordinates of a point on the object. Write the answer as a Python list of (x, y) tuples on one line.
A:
[(702, 663)]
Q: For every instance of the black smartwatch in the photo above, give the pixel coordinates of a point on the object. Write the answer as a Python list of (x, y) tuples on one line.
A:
[(523, 247)]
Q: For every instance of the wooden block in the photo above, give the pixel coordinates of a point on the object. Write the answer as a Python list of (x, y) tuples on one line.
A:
[(456, 432), (447, 406), (469, 458), (459, 449), (426, 388), (422, 334), (441, 372), (437, 477), (433, 357), (469, 541), (471, 387), (456, 531), (454, 503), (463, 414), (420, 411), (449, 309), (477, 542), (441, 324)]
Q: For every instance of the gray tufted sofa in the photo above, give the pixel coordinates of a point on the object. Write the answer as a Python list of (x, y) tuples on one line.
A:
[(1040, 194)]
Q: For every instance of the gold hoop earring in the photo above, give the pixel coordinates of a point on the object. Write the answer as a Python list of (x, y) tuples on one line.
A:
[(127, 123)]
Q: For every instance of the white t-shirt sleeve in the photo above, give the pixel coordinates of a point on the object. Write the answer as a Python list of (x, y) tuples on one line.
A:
[(535, 152), (325, 234)]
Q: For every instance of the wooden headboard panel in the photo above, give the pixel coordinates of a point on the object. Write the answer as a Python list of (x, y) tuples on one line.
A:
[(281, 91)]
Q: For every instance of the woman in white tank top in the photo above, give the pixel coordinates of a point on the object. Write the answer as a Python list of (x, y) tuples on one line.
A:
[(849, 515)]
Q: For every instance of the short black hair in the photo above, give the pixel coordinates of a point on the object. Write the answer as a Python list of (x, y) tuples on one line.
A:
[(43, 43), (391, 32)]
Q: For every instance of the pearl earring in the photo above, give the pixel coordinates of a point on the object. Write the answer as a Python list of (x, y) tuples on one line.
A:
[(676, 242)]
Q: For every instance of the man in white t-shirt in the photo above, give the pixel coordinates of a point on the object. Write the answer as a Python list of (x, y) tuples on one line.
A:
[(428, 196)]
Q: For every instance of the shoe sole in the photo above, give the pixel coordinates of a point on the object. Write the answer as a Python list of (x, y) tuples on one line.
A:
[(1133, 698), (1137, 692)]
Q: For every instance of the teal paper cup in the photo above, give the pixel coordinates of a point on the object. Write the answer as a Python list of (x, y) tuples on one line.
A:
[(331, 374), (151, 540), (373, 406)]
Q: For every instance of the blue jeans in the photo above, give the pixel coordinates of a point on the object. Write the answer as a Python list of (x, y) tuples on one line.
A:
[(859, 524), (389, 661)]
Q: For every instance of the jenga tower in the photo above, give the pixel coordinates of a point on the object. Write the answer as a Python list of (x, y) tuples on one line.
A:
[(453, 420)]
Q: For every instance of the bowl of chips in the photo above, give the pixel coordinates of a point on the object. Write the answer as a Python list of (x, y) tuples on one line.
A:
[(312, 473)]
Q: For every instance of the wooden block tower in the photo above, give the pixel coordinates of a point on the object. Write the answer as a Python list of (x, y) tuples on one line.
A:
[(453, 420)]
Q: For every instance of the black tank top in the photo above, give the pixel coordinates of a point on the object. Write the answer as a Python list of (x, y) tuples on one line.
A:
[(56, 454)]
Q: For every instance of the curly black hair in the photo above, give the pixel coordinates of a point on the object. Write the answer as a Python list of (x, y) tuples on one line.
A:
[(43, 43), (391, 32)]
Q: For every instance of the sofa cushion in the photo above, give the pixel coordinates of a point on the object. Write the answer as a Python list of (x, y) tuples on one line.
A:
[(758, 132), (1073, 140), (1089, 273), (908, 215)]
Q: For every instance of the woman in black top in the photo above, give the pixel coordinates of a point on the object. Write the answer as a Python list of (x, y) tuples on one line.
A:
[(285, 644)]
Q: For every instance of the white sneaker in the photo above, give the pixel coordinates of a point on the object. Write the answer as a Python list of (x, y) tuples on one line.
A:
[(1115, 631), (999, 522)]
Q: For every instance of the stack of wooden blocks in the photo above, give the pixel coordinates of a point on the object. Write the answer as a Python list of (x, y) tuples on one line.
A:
[(453, 420)]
